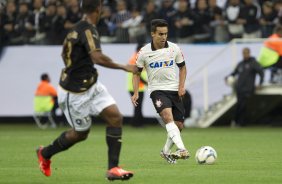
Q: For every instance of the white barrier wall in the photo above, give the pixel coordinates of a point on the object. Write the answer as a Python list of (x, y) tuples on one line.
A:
[(21, 67)]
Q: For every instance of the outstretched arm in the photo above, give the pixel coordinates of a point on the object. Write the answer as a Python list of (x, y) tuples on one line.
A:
[(101, 59)]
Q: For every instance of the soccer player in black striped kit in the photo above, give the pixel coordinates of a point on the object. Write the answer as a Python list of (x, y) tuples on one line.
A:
[(80, 94)]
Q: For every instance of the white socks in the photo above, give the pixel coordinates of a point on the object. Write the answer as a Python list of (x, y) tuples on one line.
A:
[(174, 134), (168, 145)]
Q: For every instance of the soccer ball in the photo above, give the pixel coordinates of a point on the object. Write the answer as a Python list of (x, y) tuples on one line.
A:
[(230, 81), (206, 155)]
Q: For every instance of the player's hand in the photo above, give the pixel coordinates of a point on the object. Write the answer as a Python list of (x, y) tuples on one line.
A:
[(134, 99), (181, 92), (131, 68)]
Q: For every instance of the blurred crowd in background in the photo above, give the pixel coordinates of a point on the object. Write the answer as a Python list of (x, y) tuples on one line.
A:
[(128, 21)]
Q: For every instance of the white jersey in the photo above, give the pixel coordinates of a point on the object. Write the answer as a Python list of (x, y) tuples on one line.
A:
[(160, 65)]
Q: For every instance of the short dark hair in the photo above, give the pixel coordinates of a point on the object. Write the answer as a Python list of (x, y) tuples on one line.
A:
[(89, 6), (158, 23), (44, 76)]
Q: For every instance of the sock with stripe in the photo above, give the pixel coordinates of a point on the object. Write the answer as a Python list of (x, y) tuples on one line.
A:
[(168, 145), (174, 134), (113, 139), (59, 144)]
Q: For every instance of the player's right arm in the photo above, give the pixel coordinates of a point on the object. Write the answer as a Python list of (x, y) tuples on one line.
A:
[(90, 39), (101, 59), (136, 81), (136, 78)]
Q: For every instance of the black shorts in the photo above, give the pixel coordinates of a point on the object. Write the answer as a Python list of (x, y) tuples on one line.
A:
[(168, 99)]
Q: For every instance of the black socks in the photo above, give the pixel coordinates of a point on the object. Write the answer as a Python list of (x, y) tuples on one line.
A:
[(113, 138), (59, 144)]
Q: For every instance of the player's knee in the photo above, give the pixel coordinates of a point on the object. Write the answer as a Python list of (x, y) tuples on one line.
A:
[(166, 117), (81, 136), (116, 121), (180, 125)]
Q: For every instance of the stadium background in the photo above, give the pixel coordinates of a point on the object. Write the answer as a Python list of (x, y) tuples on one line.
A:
[(21, 67), (245, 155)]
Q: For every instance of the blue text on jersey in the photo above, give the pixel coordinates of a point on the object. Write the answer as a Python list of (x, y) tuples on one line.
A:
[(160, 64)]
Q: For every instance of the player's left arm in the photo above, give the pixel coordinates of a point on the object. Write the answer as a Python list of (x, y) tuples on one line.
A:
[(182, 72), (182, 78)]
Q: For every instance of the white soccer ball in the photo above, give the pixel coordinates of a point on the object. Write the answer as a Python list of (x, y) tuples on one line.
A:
[(206, 155)]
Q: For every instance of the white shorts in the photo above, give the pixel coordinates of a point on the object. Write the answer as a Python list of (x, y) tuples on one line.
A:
[(78, 107)]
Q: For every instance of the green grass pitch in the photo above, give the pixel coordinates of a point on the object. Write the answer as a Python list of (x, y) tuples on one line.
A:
[(245, 155)]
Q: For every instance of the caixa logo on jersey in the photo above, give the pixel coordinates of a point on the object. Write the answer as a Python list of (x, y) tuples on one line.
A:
[(160, 64)]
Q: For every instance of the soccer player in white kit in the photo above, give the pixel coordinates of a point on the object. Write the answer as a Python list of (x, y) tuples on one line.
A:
[(160, 58)]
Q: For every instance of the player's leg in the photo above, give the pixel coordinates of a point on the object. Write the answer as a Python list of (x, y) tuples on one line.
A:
[(169, 143), (166, 151), (105, 106), (180, 153), (171, 127), (80, 122), (163, 104), (174, 137), (113, 119), (62, 143), (178, 112)]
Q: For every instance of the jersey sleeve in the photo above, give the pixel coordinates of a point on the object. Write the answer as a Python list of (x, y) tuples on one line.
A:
[(179, 56), (139, 59), (90, 40)]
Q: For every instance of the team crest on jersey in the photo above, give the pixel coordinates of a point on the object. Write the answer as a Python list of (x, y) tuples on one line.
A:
[(78, 121), (158, 103), (160, 64)]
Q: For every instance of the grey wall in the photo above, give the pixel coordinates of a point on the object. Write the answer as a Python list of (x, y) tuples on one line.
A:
[(21, 67)]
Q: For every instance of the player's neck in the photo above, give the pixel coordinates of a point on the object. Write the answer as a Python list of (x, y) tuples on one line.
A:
[(158, 46), (90, 18)]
